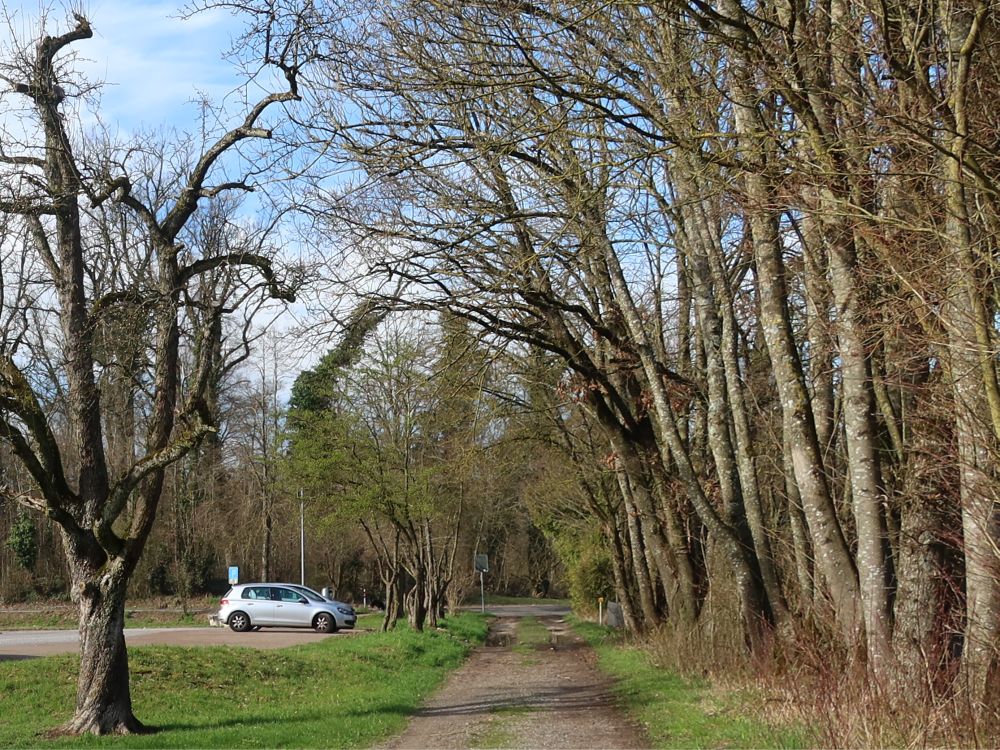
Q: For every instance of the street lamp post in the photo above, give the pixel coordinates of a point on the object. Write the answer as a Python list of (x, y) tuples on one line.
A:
[(302, 538)]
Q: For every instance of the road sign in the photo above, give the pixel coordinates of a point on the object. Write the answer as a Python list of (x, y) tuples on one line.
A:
[(234, 575), (482, 564)]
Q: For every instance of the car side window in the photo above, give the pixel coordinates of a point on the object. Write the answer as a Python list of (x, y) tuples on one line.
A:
[(257, 593), (287, 595)]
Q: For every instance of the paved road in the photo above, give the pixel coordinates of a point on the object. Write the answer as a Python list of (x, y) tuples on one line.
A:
[(523, 610), (24, 644)]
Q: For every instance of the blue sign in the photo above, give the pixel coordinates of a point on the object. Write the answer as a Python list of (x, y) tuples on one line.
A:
[(234, 575)]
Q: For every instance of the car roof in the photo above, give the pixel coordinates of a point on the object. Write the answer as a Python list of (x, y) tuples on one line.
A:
[(268, 583)]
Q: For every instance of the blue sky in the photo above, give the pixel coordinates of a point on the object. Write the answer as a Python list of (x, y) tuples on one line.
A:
[(153, 65), (152, 62)]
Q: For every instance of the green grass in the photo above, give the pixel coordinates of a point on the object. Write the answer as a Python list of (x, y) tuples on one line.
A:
[(339, 692), (497, 732), (369, 621), (54, 619), (531, 634), (681, 712), (468, 626)]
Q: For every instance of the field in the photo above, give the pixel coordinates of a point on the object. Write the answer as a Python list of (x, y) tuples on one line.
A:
[(341, 692)]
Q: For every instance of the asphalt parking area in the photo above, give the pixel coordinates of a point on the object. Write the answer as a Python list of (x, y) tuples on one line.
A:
[(23, 644)]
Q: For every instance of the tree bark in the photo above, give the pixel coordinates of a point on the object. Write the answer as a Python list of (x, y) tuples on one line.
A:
[(103, 698)]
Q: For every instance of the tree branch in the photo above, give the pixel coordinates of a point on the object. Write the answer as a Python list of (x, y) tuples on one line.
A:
[(192, 192), (260, 262), (17, 397)]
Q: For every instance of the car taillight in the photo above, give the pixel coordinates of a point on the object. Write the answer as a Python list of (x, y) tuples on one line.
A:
[(223, 602)]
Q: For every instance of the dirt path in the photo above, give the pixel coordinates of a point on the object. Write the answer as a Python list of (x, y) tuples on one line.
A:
[(551, 696)]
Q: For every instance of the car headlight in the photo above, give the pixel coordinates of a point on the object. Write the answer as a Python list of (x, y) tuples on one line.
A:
[(345, 610)]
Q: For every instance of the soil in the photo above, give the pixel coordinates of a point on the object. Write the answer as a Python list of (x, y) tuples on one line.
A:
[(504, 697)]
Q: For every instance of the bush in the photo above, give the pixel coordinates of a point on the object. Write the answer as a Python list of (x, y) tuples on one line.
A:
[(23, 541), (588, 568)]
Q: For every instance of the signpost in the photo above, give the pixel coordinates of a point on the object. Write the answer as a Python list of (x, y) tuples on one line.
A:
[(234, 575), (482, 563), (302, 539)]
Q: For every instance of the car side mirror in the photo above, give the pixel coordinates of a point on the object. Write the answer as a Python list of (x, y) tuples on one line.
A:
[(303, 601)]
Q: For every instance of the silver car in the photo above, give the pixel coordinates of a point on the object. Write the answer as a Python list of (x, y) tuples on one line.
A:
[(251, 606)]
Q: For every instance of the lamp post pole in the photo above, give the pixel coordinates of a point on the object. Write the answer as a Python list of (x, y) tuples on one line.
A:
[(302, 538)]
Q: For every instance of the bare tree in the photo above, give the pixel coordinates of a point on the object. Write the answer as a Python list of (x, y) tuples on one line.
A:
[(105, 506)]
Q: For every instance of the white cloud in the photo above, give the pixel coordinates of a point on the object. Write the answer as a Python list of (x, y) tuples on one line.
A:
[(152, 62), (156, 63)]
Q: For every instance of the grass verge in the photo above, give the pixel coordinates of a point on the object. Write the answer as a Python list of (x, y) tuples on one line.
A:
[(682, 712), (339, 692)]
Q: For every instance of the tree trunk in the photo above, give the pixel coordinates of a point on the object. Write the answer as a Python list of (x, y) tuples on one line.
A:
[(717, 320), (821, 395), (643, 579), (623, 590), (865, 474), (393, 601), (755, 612), (682, 599), (417, 599), (972, 370), (103, 699), (800, 532)]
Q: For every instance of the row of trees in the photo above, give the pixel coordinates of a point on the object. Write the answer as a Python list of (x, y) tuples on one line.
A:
[(745, 255)]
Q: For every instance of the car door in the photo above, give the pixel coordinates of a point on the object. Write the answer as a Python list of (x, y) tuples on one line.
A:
[(257, 602), (291, 608)]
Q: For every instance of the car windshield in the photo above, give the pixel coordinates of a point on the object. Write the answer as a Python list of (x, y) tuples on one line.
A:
[(310, 594)]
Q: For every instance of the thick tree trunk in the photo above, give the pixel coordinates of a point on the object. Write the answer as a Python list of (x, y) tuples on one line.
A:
[(920, 605), (417, 599), (103, 699), (682, 600), (393, 602), (733, 455), (834, 558), (661, 562), (818, 327), (640, 569), (972, 370)]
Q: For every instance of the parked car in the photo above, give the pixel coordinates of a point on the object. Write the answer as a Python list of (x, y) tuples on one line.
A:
[(251, 606)]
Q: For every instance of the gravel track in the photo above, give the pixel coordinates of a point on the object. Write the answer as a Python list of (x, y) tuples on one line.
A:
[(551, 697)]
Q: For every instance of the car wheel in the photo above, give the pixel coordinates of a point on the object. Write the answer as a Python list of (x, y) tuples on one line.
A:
[(240, 622), (324, 623)]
